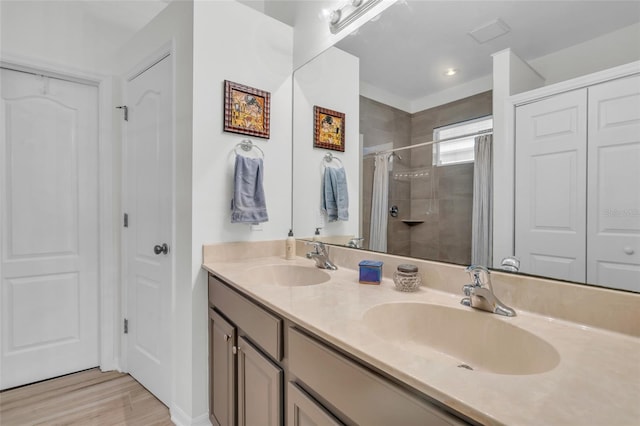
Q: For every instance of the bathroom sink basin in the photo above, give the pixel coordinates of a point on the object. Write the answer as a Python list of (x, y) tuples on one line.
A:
[(285, 275), (477, 340)]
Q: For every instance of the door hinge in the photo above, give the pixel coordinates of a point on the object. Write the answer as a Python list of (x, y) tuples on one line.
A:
[(126, 326), (126, 111), (126, 220)]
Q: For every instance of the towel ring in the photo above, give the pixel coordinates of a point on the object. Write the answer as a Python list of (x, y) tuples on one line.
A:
[(246, 145), (329, 157)]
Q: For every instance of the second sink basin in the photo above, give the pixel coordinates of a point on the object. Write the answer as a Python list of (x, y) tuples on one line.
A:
[(285, 275), (479, 340)]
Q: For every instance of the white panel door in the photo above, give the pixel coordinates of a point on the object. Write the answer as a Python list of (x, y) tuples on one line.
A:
[(550, 186), (49, 207), (613, 235), (149, 205)]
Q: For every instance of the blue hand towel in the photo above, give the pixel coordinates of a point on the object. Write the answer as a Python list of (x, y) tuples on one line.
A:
[(248, 204), (335, 196)]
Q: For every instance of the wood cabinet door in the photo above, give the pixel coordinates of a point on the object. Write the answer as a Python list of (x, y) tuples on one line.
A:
[(222, 367), (259, 388), (302, 410)]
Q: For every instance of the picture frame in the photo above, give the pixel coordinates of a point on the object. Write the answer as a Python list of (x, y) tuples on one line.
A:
[(329, 129), (247, 110)]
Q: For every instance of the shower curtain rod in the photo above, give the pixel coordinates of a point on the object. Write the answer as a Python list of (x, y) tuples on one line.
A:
[(418, 145)]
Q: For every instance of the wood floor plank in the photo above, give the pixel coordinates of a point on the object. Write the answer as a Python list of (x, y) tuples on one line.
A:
[(86, 398)]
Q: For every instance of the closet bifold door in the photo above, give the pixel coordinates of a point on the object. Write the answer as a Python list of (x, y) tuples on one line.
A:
[(551, 161), (259, 388), (613, 221), (222, 368)]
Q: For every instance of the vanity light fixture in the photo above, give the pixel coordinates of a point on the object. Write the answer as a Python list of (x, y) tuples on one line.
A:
[(334, 16), (349, 12), (451, 71)]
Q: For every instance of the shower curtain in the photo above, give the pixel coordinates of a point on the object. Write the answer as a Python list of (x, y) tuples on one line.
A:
[(481, 234), (379, 204)]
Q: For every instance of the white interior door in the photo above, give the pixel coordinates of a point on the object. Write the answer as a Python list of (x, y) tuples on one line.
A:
[(149, 206), (49, 207), (614, 184), (550, 220)]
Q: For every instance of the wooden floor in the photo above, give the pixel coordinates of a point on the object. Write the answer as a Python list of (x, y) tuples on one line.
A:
[(86, 398)]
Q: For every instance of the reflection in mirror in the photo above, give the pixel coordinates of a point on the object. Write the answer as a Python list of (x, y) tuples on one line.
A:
[(424, 71), (430, 186)]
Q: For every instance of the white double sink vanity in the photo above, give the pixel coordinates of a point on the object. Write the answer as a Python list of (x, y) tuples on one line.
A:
[(298, 345)]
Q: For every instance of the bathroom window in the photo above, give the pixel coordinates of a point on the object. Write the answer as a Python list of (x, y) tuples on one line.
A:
[(457, 151)]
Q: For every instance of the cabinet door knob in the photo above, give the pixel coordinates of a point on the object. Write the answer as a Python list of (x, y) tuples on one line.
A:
[(628, 250), (226, 337)]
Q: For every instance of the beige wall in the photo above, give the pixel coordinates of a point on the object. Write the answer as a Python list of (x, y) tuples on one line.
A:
[(447, 191)]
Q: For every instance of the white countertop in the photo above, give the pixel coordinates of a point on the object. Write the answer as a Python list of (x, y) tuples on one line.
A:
[(597, 381)]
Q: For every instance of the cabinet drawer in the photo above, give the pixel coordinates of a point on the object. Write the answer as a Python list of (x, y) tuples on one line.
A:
[(263, 328), (362, 396)]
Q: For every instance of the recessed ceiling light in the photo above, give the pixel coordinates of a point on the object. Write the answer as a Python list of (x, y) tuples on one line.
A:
[(451, 71)]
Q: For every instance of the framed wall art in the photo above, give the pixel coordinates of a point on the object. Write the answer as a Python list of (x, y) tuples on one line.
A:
[(246, 110), (328, 129)]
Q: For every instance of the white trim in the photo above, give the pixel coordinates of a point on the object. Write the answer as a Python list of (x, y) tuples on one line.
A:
[(452, 94), (37, 66), (574, 84), (109, 284), (180, 418), (510, 51), (107, 274), (150, 60)]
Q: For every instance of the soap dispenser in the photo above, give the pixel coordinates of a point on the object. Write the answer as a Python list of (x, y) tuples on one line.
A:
[(290, 246)]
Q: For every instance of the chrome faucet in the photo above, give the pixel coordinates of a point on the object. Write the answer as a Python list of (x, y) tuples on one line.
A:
[(355, 242), (320, 254), (480, 293)]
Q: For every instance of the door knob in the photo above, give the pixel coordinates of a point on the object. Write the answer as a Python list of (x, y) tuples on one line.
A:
[(161, 249)]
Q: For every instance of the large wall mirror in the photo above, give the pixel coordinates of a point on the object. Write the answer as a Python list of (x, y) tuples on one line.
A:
[(422, 70)]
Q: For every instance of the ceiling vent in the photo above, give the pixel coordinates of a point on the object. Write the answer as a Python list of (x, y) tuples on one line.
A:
[(489, 31)]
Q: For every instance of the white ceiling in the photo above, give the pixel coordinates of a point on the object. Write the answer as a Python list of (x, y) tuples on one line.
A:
[(407, 50), (130, 15)]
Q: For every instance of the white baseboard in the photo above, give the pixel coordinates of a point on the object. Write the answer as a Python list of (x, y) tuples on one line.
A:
[(180, 418)]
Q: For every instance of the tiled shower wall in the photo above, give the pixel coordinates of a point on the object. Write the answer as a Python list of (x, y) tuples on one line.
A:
[(379, 125), (442, 197)]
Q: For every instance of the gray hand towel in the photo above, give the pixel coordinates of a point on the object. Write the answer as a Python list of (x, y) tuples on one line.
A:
[(248, 204), (335, 196)]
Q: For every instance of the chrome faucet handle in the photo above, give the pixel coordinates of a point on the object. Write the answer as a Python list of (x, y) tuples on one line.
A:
[(355, 242), (475, 272), (474, 268), (510, 263), (319, 246), (467, 289)]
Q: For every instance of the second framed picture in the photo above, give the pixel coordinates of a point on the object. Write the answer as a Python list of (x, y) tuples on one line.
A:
[(246, 110), (328, 129)]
